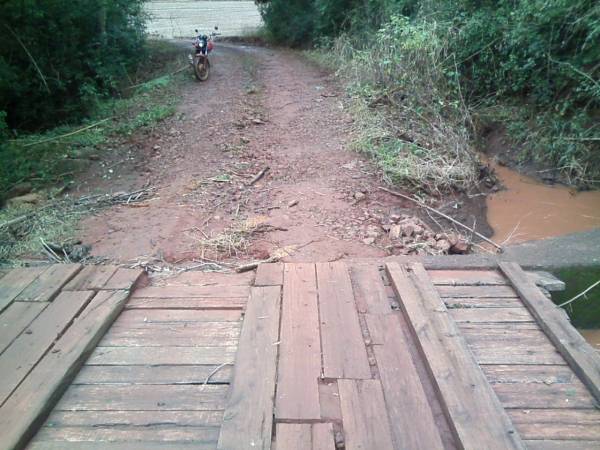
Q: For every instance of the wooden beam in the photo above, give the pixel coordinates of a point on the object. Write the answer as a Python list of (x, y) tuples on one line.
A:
[(475, 414), (580, 355), (248, 418)]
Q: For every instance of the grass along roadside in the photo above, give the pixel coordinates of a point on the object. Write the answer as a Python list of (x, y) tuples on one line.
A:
[(44, 165)]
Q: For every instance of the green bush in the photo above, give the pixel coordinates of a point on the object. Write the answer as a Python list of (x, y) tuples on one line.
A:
[(58, 56)]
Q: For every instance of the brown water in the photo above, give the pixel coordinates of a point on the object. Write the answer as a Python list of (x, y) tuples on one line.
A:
[(593, 337), (529, 209)]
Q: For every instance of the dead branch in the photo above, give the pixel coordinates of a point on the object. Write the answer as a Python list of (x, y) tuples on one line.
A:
[(258, 176), (56, 138), (32, 59), (398, 194)]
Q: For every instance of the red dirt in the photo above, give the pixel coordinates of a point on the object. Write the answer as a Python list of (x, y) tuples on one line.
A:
[(260, 108)]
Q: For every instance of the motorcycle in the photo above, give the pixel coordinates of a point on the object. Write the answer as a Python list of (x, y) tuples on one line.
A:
[(203, 45)]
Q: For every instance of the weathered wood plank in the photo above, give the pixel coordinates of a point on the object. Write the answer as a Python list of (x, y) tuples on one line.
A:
[(204, 334), (340, 328), (369, 291), (45, 287), (304, 436), (22, 413), (529, 374), (153, 374), (411, 418), (541, 395), (125, 356), (134, 418), (330, 401), (561, 445), (116, 433), (446, 291), (582, 424), (487, 315), (300, 348), (211, 291), (294, 436), (91, 277), (135, 317), (248, 418), (475, 414), (104, 445), (366, 423), (123, 279), (578, 353), (489, 302), (15, 319), (186, 303), (269, 274), (192, 278), (27, 349), (15, 281), (467, 277), (138, 397), (514, 351)]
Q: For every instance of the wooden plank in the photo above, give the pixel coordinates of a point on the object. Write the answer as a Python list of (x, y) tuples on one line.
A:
[(304, 436), (212, 291), (15, 281), (123, 279), (369, 291), (446, 291), (366, 424), (153, 374), (169, 316), (300, 348), (192, 278), (412, 421), (322, 436), (91, 277), (541, 395), (15, 319), (488, 302), (248, 418), (104, 445), (529, 374), (561, 445), (27, 349), (466, 277), (125, 356), (269, 274), (582, 424), (116, 433), (45, 287), (139, 397), (514, 351), (475, 414), (187, 303), (294, 436), (21, 415), (577, 352), (134, 418), (344, 351), (483, 315), (205, 334), (330, 401)]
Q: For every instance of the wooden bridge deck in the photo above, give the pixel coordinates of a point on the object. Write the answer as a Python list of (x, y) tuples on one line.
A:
[(362, 355)]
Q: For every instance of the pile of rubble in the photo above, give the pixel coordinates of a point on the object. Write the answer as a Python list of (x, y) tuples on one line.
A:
[(409, 235)]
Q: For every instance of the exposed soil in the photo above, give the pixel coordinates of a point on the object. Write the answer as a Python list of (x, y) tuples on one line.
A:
[(260, 108)]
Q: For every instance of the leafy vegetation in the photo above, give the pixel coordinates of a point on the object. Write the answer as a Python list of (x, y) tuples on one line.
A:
[(540, 58)]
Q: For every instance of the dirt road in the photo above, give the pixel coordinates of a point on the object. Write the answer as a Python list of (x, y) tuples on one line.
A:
[(261, 108)]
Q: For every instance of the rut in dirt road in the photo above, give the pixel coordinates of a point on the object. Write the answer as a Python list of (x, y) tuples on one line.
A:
[(261, 108)]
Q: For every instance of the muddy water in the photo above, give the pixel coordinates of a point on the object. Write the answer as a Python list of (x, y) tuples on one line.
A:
[(593, 337), (529, 210)]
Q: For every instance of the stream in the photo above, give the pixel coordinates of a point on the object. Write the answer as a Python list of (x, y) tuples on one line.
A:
[(528, 209)]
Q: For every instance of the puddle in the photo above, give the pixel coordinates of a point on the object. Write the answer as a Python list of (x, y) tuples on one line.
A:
[(529, 209)]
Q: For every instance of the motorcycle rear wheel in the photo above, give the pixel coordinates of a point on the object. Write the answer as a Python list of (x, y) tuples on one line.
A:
[(202, 69)]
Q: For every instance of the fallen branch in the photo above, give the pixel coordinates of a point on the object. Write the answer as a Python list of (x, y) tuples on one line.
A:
[(55, 138), (32, 59), (258, 176), (253, 265), (398, 194), (581, 294)]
